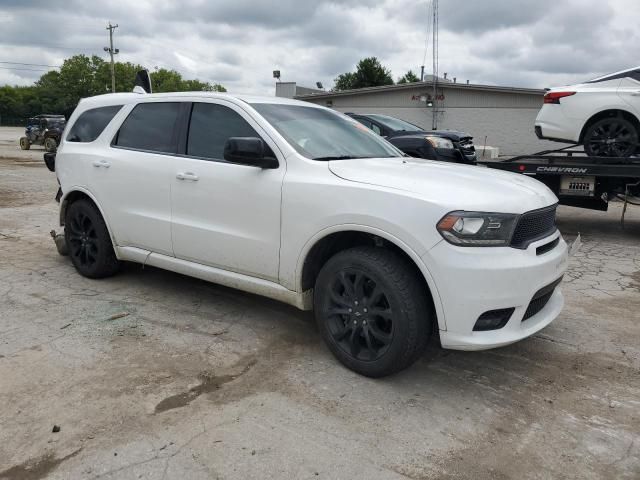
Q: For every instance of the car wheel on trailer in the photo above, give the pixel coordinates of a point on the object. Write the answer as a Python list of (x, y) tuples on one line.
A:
[(611, 137), (50, 144), (24, 143), (372, 310), (88, 241)]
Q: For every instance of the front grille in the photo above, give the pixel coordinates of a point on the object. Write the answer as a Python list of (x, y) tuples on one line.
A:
[(533, 226), (540, 299), (466, 146)]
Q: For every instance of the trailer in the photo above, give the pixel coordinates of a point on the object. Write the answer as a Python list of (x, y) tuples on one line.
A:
[(579, 180)]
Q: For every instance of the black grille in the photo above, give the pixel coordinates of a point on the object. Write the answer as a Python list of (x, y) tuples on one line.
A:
[(540, 299), (534, 225)]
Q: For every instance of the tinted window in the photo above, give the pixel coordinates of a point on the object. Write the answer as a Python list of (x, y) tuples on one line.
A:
[(211, 125), (150, 126), (91, 123)]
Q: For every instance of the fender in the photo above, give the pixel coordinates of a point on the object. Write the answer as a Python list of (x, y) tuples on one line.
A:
[(437, 302), (63, 210)]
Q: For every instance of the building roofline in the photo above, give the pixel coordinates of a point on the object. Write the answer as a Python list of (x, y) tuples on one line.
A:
[(407, 86)]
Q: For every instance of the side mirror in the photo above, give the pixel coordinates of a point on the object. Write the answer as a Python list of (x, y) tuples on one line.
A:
[(249, 151)]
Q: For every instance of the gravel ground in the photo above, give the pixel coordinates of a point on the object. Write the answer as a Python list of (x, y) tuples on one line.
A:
[(150, 374)]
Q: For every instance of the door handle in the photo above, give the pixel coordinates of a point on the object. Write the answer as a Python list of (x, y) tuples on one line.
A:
[(187, 176), (636, 93), (101, 163)]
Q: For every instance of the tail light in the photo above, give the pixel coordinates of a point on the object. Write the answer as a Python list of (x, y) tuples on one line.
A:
[(554, 97)]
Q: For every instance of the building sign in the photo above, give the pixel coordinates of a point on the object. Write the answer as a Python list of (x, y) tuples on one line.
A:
[(427, 97)]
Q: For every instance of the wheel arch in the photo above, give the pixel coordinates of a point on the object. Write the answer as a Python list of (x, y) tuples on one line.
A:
[(78, 193), (330, 241), (610, 112)]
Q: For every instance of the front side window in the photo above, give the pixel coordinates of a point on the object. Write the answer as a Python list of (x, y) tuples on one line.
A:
[(150, 127), (211, 126), (321, 134), (91, 123)]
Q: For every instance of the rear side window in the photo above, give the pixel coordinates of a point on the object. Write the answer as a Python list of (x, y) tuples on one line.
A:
[(150, 127), (210, 127), (91, 123)]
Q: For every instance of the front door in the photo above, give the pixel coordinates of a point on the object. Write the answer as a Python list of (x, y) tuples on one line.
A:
[(225, 215)]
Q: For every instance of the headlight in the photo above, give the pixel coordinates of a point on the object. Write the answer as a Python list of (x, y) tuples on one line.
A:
[(477, 229), (439, 142)]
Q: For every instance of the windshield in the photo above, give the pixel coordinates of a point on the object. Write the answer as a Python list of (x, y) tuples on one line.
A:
[(321, 134), (395, 123)]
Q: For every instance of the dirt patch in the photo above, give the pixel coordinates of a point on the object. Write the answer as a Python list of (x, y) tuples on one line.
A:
[(36, 469), (209, 384)]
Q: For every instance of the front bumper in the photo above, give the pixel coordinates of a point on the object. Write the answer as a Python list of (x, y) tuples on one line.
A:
[(472, 281)]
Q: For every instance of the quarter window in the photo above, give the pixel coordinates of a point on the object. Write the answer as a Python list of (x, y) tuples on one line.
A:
[(210, 127), (150, 127), (91, 123)]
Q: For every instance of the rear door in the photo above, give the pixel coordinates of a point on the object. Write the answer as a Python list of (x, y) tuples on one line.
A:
[(223, 214), (131, 180)]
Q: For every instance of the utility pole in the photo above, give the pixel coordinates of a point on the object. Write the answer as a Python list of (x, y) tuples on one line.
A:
[(112, 52), (422, 73)]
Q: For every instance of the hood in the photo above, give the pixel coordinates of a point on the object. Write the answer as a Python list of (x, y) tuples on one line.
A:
[(454, 186), (452, 135)]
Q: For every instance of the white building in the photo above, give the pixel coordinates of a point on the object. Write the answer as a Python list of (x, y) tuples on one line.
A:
[(498, 116)]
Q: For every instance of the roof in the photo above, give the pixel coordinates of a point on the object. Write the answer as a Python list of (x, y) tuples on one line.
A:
[(408, 86), (119, 98)]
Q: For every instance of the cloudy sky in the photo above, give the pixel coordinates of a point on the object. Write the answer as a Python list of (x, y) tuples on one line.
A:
[(530, 43)]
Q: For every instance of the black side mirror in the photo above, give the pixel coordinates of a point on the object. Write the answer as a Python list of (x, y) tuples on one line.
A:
[(249, 151)]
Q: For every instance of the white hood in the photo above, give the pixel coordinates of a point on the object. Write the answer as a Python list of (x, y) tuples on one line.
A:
[(457, 187)]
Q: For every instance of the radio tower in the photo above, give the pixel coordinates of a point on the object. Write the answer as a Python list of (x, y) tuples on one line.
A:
[(434, 121)]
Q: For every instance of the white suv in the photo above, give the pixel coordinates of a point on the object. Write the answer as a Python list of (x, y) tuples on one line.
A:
[(602, 113), (302, 204)]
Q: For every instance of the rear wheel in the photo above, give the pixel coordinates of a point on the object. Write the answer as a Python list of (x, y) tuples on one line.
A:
[(50, 144), (88, 240), (372, 310), (24, 143), (611, 137)]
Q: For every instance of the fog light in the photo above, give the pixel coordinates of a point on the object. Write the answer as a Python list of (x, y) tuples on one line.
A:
[(493, 319)]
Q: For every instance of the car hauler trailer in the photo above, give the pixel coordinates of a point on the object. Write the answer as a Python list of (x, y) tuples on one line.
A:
[(579, 180)]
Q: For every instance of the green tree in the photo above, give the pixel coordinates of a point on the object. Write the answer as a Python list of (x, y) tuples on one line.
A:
[(409, 77), (59, 91), (369, 73)]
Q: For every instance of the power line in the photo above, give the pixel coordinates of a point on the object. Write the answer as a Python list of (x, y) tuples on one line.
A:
[(27, 69), (32, 64)]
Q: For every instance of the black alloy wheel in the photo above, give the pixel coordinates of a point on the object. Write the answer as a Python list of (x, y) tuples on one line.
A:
[(88, 241), (372, 310), (83, 239), (359, 316), (611, 137)]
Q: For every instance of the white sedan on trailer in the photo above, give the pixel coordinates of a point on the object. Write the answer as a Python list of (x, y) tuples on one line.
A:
[(603, 114)]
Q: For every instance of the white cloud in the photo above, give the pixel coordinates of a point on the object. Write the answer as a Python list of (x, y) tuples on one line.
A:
[(239, 42)]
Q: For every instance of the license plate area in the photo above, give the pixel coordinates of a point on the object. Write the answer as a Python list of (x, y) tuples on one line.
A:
[(577, 186)]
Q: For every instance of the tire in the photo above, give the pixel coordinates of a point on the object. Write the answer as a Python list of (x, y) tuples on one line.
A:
[(611, 137), (372, 310), (88, 240), (24, 143), (50, 144)]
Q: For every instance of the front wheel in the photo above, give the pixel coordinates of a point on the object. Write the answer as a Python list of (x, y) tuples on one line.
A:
[(88, 241), (24, 143), (611, 137), (372, 310)]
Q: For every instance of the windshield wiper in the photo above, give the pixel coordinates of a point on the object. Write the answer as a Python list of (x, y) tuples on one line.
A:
[(337, 157)]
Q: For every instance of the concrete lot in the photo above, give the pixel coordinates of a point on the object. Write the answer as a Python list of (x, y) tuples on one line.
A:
[(151, 374)]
